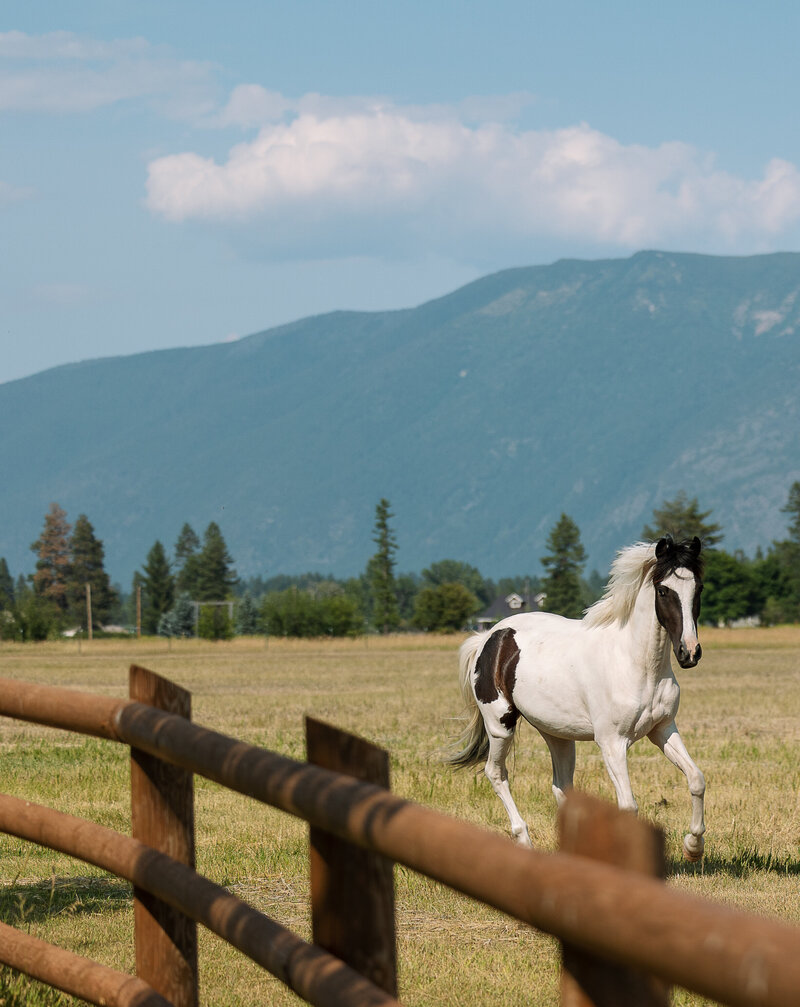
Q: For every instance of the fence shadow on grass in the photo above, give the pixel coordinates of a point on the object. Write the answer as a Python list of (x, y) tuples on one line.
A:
[(32, 902)]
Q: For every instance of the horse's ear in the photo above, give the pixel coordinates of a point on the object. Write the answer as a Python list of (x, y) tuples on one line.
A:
[(696, 545), (663, 546)]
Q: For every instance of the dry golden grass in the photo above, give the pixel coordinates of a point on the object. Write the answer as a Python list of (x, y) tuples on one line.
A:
[(740, 717)]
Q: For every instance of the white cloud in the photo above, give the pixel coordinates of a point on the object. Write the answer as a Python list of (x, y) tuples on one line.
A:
[(363, 167), (332, 176), (62, 72)]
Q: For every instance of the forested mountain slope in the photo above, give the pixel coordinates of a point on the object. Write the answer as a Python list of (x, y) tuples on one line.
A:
[(594, 388)]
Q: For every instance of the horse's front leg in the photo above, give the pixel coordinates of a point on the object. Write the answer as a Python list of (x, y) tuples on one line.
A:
[(562, 755), (666, 737), (614, 750)]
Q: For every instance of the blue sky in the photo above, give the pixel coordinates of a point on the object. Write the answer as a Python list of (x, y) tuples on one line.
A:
[(175, 174)]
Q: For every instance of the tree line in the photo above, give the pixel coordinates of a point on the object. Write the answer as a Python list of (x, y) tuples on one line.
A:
[(54, 596), (195, 590), (764, 588)]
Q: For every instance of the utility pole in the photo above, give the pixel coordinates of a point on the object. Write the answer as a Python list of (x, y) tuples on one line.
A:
[(89, 608), (138, 611)]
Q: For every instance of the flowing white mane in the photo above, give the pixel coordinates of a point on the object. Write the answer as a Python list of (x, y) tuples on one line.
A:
[(628, 572)]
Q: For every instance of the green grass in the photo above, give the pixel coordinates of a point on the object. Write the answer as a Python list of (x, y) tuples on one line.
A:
[(740, 718)]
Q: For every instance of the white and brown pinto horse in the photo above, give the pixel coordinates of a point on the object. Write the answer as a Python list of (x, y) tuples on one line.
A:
[(605, 677)]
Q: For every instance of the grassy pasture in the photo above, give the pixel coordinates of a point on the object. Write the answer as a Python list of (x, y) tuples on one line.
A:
[(740, 718)]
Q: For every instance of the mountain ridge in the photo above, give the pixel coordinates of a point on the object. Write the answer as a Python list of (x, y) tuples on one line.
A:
[(598, 388)]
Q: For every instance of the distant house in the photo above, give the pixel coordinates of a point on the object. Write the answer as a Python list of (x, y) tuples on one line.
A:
[(511, 604)]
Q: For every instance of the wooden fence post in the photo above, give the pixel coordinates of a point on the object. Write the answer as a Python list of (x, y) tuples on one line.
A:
[(596, 829), (162, 816), (352, 890)]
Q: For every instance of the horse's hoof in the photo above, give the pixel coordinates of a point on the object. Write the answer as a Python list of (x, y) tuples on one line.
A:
[(693, 848)]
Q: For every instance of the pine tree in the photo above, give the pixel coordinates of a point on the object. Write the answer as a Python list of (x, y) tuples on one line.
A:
[(215, 575), (682, 518), (186, 560), (563, 565), (158, 588), (87, 556), (6, 585), (180, 620), (187, 544), (380, 571), (247, 617), (52, 574)]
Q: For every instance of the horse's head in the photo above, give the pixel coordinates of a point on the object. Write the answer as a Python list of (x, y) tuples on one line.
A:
[(678, 583)]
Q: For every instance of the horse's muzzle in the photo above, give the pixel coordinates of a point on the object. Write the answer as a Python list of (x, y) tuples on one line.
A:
[(687, 659)]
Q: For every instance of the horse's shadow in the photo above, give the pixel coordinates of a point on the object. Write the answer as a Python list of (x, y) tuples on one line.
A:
[(739, 865), (28, 902)]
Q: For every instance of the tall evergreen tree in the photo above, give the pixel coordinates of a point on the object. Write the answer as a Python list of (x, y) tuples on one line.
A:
[(187, 544), (6, 585), (682, 518), (52, 549), (215, 573), (87, 555), (187, 549), (158, 588), (563, 565), (380, 571)]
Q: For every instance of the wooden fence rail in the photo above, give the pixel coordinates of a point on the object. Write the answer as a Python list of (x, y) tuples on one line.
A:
[(311, 972), (601, 912)]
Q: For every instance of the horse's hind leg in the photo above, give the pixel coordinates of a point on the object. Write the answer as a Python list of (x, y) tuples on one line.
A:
[(562, 754), (497, 774), (666, 737)]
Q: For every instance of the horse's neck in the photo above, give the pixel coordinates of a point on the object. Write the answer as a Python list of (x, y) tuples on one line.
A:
[(648, 637)]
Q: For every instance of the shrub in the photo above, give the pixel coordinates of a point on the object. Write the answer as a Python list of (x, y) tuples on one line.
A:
[(215, 623), (34, 618), (298, 613), (445, 608)]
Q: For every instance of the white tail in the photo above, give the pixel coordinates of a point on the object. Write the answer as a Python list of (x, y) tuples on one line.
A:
[(473, 742)]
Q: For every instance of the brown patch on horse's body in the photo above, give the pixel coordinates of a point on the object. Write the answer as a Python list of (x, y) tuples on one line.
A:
[(496, 673)]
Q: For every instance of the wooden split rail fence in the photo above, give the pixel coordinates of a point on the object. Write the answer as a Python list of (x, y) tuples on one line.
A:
[(626, 936)]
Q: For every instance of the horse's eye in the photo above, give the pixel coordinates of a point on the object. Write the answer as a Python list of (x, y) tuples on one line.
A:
[(662, 591)]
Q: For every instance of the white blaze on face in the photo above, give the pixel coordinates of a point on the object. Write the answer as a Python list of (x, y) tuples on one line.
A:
[(683, 584)]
